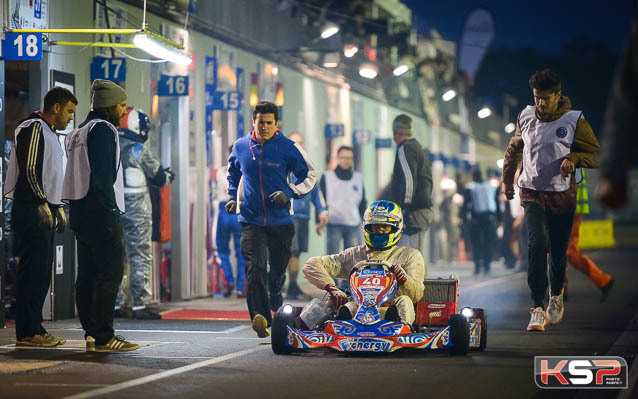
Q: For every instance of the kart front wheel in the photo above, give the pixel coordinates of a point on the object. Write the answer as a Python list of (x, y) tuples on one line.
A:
[(459, 335), (279, 332)]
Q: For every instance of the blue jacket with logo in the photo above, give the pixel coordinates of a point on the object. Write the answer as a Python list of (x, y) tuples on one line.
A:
[(257, 170)]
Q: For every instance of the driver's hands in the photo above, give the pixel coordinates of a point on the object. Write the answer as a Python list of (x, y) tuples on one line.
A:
[(60, 217), (279, 198), (399, 273), (231, 207), (339, 298), (44, 214)]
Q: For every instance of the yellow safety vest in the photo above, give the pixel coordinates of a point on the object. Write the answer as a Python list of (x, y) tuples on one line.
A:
[(582, 204)]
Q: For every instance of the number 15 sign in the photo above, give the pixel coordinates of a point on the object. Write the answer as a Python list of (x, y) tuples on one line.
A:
[(22, 46)]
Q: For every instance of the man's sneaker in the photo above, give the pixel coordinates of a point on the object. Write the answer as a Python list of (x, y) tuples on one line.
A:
[(260, 325), (117, 344), (39, 340), (90, 343), (556, 309), (145, 314), (537, 321), (344, 313), (61, 341), (607, 289)]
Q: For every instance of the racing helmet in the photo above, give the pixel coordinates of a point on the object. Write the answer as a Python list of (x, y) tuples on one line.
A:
[(135, 125), (386, 213)]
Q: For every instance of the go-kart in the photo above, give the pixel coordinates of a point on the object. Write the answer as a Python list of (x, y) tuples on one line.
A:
[(438, 326)]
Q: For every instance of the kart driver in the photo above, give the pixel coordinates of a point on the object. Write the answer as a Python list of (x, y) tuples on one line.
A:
[(383, 225)]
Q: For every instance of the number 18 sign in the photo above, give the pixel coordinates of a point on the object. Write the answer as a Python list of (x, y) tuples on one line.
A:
[(22, 46)]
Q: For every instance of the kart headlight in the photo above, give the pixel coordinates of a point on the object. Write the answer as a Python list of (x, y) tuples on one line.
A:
[(287, 309), (467, 312)]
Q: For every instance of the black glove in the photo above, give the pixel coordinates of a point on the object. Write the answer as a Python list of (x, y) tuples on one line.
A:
[(169, 174), (279, 198), (231, 207)]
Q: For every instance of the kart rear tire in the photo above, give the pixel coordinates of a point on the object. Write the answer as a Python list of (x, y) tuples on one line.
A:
[(459, 335), (279, 332), (480, 313)]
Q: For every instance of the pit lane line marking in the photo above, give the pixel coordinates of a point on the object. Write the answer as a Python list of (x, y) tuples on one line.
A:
[(227, 331), (164, 374)]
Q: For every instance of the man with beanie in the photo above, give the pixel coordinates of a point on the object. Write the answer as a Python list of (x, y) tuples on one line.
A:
[(93, 185), (34, 182)]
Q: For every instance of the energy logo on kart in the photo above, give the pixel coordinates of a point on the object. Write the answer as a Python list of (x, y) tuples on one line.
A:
[(365, 345)]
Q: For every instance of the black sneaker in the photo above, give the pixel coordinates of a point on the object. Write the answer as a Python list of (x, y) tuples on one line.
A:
[(607, 289), (344, 313), (145, 314), (117, 344), (392, 314)]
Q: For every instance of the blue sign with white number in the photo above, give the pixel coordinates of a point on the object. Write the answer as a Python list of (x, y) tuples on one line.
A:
[(333, 130), (226, 100), (383, 143), (22, 46), (113, 69), (173, 85)]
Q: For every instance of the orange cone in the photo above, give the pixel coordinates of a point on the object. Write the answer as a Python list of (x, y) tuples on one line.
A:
[(462, 254)]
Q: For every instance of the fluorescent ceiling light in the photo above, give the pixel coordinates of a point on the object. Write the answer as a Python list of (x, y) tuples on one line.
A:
[(368, 71), (484, 112), (350, 50), (161, 50), (330, 64), (448, 95), (400, 70), (510, 127), (500, 163), (329, 30)]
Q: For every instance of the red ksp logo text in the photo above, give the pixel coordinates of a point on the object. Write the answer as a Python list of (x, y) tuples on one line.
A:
[(580, 372)]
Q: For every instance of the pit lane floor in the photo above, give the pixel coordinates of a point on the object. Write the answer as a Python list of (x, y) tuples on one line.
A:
[(206, 359)]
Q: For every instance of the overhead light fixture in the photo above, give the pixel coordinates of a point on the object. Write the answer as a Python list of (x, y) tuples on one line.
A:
[(448, 95), (349, 50), (484, 112), (329, 30), (510, 127), (500, 163), (368, 71), (158, 49), (331, 60), (400, 70)]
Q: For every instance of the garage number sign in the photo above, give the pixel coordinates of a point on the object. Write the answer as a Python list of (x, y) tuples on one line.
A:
[(113, 69), (22, 46)]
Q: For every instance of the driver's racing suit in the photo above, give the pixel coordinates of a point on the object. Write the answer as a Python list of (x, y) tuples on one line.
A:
[(322, 270)]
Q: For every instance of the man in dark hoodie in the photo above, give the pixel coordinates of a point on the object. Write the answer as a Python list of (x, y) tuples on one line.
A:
[(94, 186), (34, 182), (552, 140)]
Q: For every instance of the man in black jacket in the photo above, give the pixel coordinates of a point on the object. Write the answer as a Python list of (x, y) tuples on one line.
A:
[(93, 183), (34, 182), (411, 184)]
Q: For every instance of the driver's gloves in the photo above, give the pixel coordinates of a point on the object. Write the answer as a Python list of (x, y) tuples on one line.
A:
[(399, 273), (339, 298)]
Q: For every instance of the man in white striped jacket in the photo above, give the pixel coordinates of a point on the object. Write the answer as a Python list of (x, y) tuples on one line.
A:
[(34, 182), (411, 185)]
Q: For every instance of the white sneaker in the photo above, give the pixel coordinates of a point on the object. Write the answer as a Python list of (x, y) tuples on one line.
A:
[(537, 321), (556, 309)]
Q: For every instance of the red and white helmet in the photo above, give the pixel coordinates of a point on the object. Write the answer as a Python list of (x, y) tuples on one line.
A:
[(135, 125)]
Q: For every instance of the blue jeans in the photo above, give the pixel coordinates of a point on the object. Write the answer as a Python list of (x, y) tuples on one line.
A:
[(228, 225)]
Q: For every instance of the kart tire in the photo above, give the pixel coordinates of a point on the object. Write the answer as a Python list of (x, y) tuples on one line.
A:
[(279, 332), (459, 335), (480, 313)]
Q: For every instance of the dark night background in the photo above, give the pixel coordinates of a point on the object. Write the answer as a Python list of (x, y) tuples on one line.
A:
[(580, 40)]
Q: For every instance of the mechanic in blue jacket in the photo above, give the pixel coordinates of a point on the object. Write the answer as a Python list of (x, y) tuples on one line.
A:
[(261, 186)]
